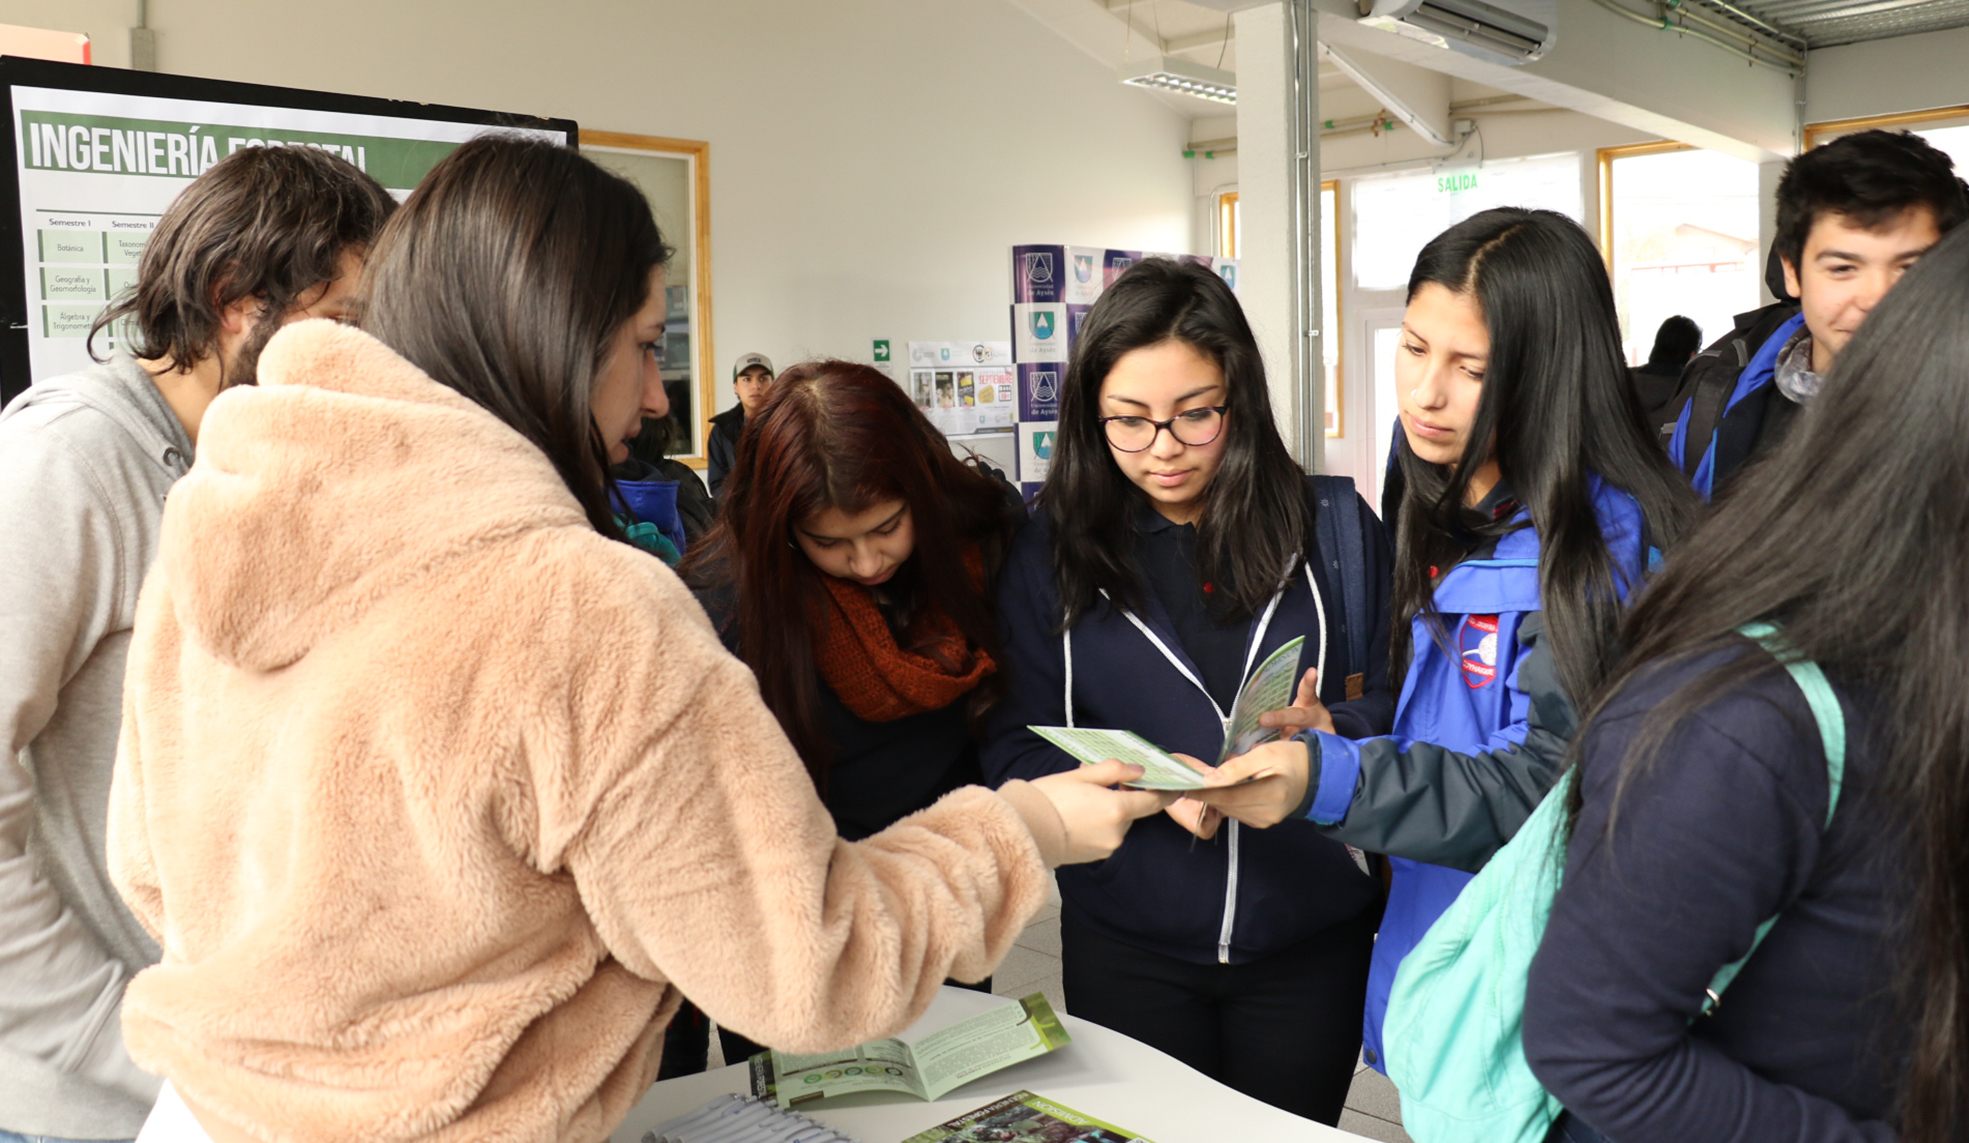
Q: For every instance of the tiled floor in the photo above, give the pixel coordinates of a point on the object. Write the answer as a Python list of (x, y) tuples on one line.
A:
[(1034, 965)]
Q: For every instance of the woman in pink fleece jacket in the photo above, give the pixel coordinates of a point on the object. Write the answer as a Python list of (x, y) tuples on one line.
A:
[(435, 795)]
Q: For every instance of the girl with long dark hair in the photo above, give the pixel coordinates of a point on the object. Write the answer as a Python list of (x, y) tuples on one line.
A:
[(1533, 494), (1704, 795), (435, 793), (1176, 546)]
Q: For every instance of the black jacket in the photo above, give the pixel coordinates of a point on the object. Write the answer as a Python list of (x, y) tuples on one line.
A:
[(1725, 830), (721, 448)]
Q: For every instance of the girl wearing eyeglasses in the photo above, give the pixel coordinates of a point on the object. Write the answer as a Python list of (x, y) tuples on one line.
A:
[(1176, 545), (1534, 491)]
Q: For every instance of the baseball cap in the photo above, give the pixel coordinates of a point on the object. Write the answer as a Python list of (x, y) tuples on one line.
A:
[(748, 360)]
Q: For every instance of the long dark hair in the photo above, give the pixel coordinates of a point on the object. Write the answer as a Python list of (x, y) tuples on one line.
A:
[(834, 434), (506, 277), (1850, 536), (270, 223), (1557, 404), (1257, 521)]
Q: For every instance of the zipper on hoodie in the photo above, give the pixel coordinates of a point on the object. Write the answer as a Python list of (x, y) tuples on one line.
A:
[(1250, 659)]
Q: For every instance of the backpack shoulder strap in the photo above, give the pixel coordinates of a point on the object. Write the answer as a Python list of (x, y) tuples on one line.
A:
[(1831, 722), (1343, 545), (1706, 388)]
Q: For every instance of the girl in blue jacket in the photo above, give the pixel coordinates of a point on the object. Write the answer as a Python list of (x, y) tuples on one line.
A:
[(1533, 495), (1177, 545)]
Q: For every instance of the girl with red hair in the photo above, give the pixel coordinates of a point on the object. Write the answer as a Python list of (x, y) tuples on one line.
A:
[(853, 569)]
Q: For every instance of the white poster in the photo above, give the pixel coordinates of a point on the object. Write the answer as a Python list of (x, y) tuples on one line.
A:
[(97, 169)]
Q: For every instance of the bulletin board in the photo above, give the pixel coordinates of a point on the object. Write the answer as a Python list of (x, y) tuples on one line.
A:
[(100, 152)]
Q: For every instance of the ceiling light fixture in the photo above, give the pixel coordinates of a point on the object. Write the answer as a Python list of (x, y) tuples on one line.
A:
[(1166, 73)]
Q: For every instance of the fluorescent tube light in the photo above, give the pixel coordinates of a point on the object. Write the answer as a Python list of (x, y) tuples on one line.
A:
[(1166, 73)]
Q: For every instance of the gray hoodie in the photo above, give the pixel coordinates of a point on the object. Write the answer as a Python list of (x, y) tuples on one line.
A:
[(85, 462)]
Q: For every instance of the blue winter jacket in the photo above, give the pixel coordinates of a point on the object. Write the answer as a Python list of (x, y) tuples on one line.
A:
[(1480, 735), (1731, 443), (1247, 893)]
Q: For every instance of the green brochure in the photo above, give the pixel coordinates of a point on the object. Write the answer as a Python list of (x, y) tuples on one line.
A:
[(926, 1068), (1023, 1117)]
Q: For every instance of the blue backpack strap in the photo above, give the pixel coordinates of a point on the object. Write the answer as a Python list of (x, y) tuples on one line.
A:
[(1832, 735), (1343, 544)]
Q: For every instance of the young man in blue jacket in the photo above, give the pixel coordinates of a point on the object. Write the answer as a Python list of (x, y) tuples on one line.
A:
[(1853, 215)]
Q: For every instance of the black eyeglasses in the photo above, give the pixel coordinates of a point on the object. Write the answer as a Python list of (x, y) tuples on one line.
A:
[(1193, 427)]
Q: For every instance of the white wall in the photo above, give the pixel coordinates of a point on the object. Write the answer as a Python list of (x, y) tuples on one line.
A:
[(871, 160), (1884, 77)]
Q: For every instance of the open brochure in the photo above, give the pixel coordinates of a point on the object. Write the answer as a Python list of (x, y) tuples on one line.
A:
[(1023, 1117), (926, 1068), (1270, 687)]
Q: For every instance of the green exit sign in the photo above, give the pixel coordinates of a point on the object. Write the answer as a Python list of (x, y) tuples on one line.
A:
[(882, 350)]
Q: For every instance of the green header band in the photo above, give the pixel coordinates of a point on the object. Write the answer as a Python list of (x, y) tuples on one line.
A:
[(109, 145)]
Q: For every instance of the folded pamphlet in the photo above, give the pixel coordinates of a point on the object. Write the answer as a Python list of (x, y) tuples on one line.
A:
[(1270, 687), (933, 1064), (734, 1118), (1023, 1117)]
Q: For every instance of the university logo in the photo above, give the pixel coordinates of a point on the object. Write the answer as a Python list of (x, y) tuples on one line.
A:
[(1477, 639), (980, 354), (1120, 264), (1042, 445), (1039, 268), (943, 353), (1083, 267), (1045, 385), (1042, 325), (1229, 274)]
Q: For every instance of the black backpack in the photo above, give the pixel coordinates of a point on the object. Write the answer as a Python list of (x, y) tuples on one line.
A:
[(1711, 376)]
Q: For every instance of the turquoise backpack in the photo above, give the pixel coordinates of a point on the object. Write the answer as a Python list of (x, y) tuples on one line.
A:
[(1453, 1036)]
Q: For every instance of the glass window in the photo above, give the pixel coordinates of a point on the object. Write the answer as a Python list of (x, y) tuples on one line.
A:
[(1396, 215), (1953, 140), (1330, 330), (1684, 241)]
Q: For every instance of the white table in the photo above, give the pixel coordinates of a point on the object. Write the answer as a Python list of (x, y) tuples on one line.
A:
[(1102, 1073)]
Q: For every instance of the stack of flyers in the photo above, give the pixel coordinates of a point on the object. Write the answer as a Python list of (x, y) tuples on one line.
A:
[(736, 1118), (1023, 1117), (1270, 687)]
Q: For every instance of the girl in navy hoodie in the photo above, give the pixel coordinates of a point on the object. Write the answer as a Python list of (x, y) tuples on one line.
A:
[(1175, 546), (1533, 493)]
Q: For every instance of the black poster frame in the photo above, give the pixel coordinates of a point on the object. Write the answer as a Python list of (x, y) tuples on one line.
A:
[(15, 369)]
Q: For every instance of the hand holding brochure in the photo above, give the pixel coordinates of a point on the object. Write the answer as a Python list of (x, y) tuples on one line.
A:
[(1269, 688), (934, 1064), (1023, 1117), (1160, 770)]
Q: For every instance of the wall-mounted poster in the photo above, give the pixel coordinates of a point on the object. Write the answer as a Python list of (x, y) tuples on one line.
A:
[(100, 152)]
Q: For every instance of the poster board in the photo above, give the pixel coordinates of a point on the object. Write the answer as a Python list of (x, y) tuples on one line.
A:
[(98, 153)]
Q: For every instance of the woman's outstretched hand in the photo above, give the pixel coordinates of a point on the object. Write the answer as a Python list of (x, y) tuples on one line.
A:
[(1306, 710), (1260, 788), (1097, 817)]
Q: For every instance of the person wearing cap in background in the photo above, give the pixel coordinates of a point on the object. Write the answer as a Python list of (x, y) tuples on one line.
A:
[(751, 377)]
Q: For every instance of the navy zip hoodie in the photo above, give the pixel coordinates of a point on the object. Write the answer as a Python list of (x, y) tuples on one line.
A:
[(1247, 893), (1723, 831)]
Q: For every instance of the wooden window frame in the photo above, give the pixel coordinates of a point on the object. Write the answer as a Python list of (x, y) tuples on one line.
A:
[(703, 353), (1816, 133), (1606, 156)]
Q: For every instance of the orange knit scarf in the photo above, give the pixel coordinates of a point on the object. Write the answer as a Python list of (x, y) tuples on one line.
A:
[(875, 677)]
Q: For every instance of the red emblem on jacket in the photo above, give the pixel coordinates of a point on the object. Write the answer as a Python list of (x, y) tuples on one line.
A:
[(1477, 639)]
